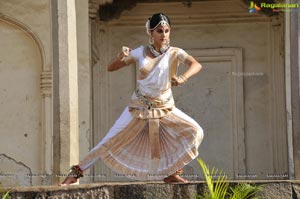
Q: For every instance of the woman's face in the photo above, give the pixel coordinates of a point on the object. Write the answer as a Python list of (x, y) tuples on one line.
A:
[(161, 35)]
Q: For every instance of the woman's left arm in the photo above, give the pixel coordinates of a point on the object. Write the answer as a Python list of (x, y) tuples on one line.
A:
[(194, 68)]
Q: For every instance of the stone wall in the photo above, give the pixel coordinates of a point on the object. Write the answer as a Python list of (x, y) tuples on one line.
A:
[(149, 190)]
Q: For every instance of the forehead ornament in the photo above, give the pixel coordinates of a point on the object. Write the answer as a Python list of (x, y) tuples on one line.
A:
[(163, 23)]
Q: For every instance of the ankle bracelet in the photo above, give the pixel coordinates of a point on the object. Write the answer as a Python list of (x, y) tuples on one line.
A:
[(76, 172)]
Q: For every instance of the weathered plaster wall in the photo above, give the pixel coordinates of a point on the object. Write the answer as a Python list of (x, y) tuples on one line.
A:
[(25, 40), (36, 16), (20, 98)]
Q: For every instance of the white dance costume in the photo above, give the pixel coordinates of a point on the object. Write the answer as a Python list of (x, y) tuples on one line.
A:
[(151, 139)]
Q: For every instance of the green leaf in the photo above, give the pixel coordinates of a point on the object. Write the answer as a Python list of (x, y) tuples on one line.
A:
[(208, 177), (218, 189), (245, 191), (6, 195), (221, 186)]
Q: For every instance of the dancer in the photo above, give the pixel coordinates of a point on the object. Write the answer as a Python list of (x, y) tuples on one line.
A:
[(152, 139)]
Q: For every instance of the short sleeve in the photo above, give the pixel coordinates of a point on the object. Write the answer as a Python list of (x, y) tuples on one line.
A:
[(182, 55), (136, 53)]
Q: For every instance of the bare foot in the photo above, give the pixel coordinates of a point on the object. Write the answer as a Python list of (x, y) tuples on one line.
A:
[(68, 180), (174, 178)]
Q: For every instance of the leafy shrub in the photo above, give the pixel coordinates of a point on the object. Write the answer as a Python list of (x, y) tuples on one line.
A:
[(219, 189)]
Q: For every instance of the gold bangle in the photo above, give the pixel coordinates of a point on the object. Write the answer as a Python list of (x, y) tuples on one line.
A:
[(183, 77)]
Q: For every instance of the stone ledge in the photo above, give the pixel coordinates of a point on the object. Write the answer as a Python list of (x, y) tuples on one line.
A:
[(284, 189)]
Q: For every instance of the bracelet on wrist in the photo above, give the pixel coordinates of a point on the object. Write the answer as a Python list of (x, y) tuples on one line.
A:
[(183, 78)]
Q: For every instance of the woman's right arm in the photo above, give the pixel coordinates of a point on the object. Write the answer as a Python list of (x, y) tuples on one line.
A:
[(123, 59)]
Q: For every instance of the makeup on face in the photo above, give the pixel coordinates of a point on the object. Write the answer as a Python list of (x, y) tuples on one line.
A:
[(161, 35)]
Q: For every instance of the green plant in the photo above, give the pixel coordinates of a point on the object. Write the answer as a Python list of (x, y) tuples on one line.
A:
[(219, 188), (246, 191), (6, 195)]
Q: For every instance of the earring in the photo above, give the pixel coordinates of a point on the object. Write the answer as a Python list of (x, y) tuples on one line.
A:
[(151, 41)]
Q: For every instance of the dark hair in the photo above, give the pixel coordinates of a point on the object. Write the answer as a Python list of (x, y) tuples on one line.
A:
[(157, 18)]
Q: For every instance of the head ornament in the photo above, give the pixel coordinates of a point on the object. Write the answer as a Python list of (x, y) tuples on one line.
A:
[(156, 20)]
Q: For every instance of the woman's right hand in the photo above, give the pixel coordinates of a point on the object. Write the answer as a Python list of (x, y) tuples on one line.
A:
[(175, 81), (122, 60), (124, 53)]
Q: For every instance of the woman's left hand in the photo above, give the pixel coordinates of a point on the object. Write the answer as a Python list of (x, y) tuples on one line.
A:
[(175, 81)]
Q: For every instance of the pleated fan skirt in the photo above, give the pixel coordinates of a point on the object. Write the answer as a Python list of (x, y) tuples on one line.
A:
[(148, 149)]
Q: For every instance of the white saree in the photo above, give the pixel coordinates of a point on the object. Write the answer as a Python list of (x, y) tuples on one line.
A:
[(151, 139)]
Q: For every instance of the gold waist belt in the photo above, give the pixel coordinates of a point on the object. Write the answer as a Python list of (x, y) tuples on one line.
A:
[(151, 102)]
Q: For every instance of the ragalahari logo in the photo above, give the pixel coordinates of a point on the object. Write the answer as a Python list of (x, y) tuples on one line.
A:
[(253, 7)]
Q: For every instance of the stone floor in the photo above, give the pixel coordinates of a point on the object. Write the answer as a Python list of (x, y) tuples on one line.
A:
[(146, 190)]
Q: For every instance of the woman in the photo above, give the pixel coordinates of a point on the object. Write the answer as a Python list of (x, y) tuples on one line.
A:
[(152, 139)]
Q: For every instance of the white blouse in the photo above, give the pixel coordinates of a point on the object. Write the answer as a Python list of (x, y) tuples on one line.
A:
[(156, 82)]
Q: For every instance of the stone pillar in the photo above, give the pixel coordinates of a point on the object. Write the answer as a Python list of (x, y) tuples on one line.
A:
[(65, 87), (295, 87)]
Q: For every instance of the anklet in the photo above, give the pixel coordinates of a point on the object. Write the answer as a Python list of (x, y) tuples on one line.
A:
[(76, 172)]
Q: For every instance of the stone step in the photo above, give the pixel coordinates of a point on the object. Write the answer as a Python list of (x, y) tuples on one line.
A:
[(281, 189)]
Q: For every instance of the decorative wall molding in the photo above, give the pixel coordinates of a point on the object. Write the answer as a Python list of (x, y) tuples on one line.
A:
[(93, 10), (27, 30), (101, 92), (46, 83), (94, 7), (277, 99), (288, 91), (201, 12)]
